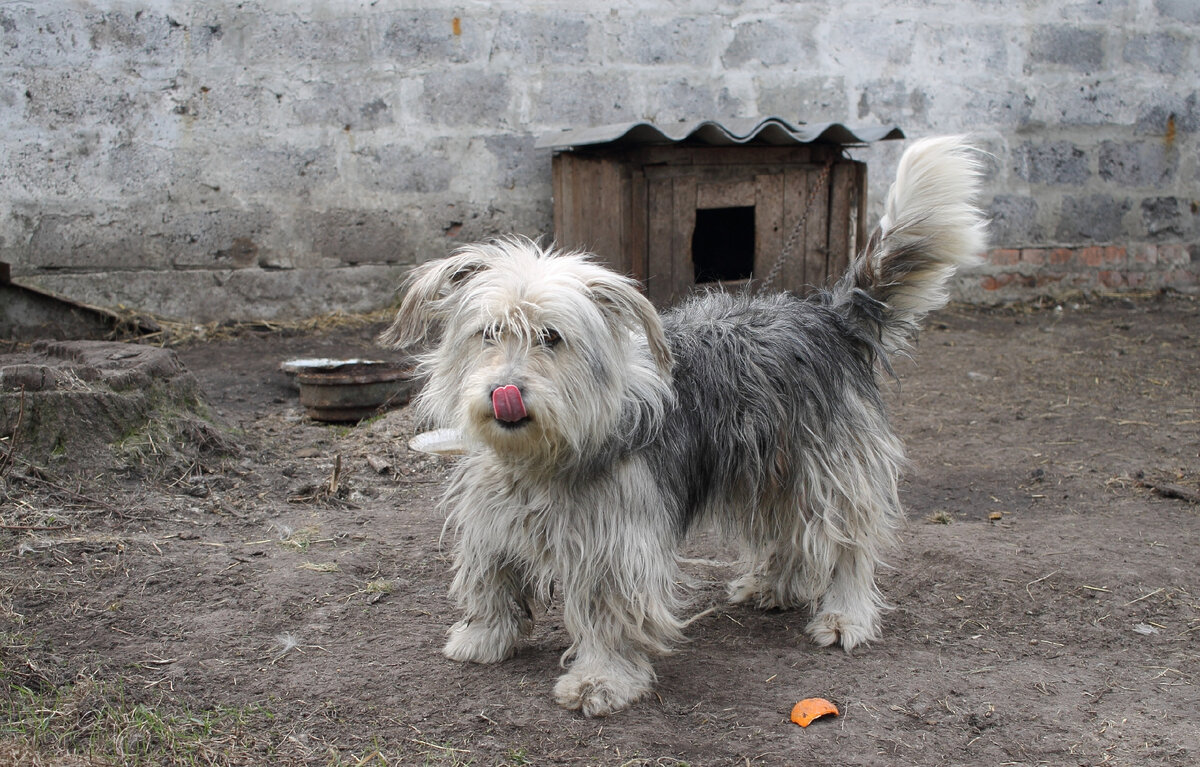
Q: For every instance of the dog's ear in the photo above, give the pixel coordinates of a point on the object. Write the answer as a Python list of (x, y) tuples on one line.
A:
[(427, 291), (620, 297)]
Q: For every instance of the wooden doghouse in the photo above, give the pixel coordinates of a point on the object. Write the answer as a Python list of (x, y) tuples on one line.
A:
[(707, 203)]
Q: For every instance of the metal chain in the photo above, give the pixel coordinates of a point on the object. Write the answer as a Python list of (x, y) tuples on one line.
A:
[(786, 253)]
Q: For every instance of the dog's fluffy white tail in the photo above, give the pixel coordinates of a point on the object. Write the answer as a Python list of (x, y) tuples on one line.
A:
[(930, 227)]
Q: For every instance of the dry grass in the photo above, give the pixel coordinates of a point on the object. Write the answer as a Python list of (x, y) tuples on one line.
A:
[(182, 333), (93, 722), (319, 567), (301, 539)]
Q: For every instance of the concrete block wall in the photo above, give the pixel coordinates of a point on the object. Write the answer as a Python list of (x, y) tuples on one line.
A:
[(269, 158)]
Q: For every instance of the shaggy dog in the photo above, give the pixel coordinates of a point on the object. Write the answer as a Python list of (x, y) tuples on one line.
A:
[(600, 432)]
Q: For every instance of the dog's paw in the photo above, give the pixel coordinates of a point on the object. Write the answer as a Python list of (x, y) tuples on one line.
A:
[(480, 643), (596, 694), (750, 590), (830, 628), (743, 590)]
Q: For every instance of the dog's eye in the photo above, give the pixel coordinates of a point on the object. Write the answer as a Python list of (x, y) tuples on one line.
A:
[(550, 338), (490, 334)]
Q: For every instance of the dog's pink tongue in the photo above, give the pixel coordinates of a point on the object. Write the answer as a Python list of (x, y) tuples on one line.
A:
[(507, 404)]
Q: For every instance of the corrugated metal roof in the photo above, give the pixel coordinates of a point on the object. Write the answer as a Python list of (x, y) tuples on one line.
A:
[(770, 131)]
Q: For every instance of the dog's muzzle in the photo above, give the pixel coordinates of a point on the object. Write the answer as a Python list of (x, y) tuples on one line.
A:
[(507, 405)]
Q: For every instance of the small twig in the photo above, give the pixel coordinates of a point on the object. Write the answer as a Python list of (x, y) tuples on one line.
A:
[(1039, 580), (336, 478), (1139, 599), (440, 748), (1168, 490)]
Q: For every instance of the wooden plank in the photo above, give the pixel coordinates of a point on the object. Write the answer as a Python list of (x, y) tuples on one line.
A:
[(571, 186), (748, 155), (860, 234), (841, 224), (660, 206), (769, 233), (661, 156), (560, 170), (730, 194), (639, 223), (576, 211), (816, 230), (795, 191), (608, 222), (683, 270), (716, 174), (592, 208), (731, 155)]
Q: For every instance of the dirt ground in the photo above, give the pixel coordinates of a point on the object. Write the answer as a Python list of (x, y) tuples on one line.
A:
[(236, 611)]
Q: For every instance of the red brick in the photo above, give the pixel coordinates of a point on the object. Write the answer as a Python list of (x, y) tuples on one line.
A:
[(1091, 256), (1035, 256), (995, 282), (1114, 255), (1060, 256), (1145, 253), (1111, 279), (1004, 257)]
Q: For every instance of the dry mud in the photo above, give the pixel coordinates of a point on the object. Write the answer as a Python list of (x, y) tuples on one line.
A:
[(1046, 591)]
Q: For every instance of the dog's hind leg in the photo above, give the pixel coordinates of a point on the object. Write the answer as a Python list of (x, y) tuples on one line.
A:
[(858, 527), (498, 606), (776, 580), (849, 610), (814, 563), (789, 559)]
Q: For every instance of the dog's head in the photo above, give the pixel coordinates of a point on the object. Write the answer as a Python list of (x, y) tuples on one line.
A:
[(534, 352)]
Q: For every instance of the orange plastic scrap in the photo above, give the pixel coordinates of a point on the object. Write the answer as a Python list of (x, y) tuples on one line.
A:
[(804, 712)]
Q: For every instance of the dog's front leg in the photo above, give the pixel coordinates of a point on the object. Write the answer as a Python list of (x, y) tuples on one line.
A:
[(603, 679), (497, 606), (619, 602), (609, 670)]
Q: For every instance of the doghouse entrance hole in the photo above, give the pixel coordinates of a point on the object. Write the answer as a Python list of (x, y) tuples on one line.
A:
[(723, 244)]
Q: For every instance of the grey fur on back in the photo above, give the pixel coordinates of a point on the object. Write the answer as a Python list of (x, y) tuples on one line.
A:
[(738, 357)]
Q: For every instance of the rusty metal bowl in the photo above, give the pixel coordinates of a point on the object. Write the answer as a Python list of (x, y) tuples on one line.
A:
[(317, 365), (351, 390)]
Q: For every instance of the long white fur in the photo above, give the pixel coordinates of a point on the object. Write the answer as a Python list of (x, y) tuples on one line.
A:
[(930, 205), (579, 495)]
